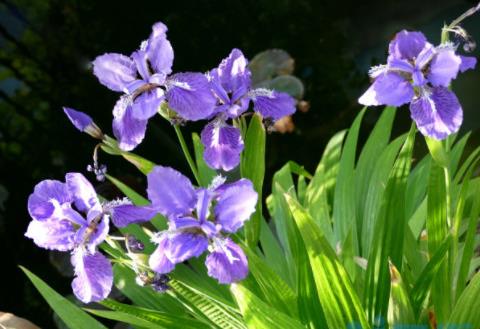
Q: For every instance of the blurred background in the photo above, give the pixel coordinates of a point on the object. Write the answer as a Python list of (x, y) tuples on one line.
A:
[(46, 47)]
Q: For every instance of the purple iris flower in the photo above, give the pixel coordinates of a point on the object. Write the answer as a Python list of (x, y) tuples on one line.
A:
[(69, 217), (419, 73), (198, 221), (144, 78), (231, 84)]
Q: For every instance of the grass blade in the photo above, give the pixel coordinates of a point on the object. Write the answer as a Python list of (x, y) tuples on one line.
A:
[(72, 315)]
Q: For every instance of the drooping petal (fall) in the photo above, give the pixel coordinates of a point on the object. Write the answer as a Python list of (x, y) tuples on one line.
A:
[(227, 263), (185, 245), (223, 145), (437, 114), (273, 104), (126, 214), (52, 234), (388, 89), (158, 261), (235, 204), (128, 130), (93, 276), (190, 96)]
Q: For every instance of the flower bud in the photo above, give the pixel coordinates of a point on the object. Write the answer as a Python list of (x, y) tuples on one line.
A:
[(83, 122)]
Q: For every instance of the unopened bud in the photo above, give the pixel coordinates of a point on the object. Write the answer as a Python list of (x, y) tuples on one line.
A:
[(83, 122)]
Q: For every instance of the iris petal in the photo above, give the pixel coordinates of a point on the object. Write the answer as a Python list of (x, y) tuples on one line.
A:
[(437, 115), (235, 204), (170, 192), (223, 144), (93, 276), (114, 71), (227, 263), (388, 89)]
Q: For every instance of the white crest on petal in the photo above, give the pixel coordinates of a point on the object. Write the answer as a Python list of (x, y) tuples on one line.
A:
[(262, 92), (217, 181), (107, 206), (220, 245), (376, 70), (447, 46), (143, 45)]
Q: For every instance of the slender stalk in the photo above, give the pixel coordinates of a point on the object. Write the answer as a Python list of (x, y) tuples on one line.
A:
[(186, 152)]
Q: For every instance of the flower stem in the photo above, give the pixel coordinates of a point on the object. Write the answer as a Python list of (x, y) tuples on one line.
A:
[(189, 158)]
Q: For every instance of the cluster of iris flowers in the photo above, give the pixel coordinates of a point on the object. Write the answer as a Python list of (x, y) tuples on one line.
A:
[(69, 216)]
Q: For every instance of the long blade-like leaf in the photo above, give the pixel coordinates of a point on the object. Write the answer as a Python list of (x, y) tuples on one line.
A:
[(73, 316), (252, 166)]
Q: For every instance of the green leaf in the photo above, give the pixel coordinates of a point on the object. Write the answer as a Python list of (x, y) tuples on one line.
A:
[(437, 231), (469, 245), (465, 313), (110, 146), (205, 173), (205, 308), (278, 294), (274, 254), (437, 151), (162, 319), (370, 155), (422, 286), (259, 315), (389, 235), (73, 316), (252, 166), (126, 318), (417, 186), (344, 200), (282, 181), (373, 195), (400, 310), (340, 303), (456, 153), (298, 169), (309, 308), (320, 190), (144, 165)]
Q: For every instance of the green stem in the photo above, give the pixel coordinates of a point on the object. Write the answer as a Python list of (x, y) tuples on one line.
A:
[(189, 158)]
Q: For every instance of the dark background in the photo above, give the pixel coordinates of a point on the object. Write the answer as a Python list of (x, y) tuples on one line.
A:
[(46, 47)]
